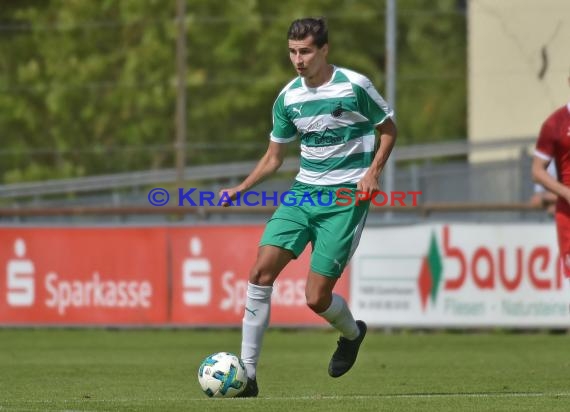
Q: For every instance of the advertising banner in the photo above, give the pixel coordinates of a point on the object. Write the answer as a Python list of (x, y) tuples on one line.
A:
[(210, 269), (460, 275), (189, 276), (456, 275), (76, 276)]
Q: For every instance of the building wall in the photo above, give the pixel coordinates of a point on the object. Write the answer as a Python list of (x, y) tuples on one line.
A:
[(519, 64)]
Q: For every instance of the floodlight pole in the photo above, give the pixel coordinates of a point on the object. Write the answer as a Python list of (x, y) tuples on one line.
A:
[(180, 145), (389, 170)]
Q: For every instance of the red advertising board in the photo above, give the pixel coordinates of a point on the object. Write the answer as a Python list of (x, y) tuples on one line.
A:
[(210, 269), (193, 276), (77, 276)]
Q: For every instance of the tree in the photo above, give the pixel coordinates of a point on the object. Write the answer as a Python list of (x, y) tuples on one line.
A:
[(90, 86)]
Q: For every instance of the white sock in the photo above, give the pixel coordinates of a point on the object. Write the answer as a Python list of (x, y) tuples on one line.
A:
[(255, 321), (340, 317)]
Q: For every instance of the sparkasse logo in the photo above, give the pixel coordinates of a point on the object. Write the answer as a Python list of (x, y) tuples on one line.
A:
[(20, 282), (29, 284)]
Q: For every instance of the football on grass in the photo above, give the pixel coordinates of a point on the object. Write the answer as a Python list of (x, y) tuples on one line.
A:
[(222, 375)]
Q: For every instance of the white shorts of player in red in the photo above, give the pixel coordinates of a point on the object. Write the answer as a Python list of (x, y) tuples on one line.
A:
[(563, 229)]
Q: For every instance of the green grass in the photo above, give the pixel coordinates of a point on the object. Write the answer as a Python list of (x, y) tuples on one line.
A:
[(155, 370)]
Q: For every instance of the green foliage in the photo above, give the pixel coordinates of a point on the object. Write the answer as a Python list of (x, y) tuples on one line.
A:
[(432, 67), (89, 87)]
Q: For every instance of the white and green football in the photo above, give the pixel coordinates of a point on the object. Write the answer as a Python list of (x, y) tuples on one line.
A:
[(222, 375)]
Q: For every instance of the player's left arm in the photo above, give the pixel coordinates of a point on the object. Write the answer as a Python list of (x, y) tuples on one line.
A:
[(387, 132), (541, 175)]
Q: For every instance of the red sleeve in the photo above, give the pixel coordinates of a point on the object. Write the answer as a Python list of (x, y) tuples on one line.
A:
[(547, 139)]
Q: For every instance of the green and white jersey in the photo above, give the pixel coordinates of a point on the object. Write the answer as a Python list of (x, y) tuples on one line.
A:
[(335, 123)]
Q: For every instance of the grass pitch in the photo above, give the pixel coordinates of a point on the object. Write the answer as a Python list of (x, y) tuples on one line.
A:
[(155, 370)]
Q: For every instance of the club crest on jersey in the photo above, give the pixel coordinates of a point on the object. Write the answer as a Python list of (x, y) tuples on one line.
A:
[(337, 110)]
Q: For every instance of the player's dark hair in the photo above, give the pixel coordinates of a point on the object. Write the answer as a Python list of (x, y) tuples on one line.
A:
[(300, 29)]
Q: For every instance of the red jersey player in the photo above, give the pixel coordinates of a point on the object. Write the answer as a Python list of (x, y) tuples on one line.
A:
[(554, 144)]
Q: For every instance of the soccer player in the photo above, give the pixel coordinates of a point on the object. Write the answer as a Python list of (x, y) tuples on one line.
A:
[(553, 144), (335, 112)]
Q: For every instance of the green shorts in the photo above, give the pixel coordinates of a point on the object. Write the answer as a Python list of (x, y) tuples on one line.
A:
[(310, 214)]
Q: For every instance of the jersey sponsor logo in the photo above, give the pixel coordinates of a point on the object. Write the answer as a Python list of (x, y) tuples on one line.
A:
[(328, 140), (321, 139)]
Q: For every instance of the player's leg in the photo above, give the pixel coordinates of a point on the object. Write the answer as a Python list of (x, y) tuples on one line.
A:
[(563, 232), (334, 309), (336, 234), (330, 306), (270, 262), (285, 237)]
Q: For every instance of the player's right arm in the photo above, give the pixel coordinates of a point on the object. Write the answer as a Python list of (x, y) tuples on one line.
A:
[(284, 131), (267, 165)]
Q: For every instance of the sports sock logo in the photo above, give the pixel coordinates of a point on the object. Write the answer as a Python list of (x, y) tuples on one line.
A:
[(252, 311)]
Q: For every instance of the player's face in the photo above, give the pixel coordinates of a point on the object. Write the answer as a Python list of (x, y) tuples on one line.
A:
[(307, 58)]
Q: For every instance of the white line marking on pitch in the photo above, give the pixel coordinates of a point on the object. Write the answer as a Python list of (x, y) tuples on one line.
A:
[(311, 397)]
